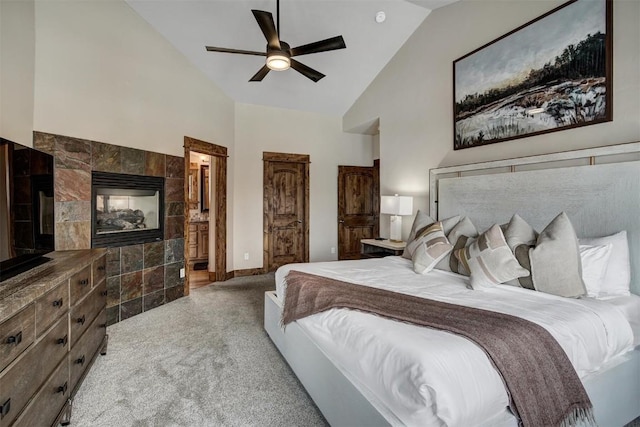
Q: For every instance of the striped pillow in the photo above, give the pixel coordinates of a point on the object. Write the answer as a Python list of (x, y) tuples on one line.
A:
[(521, 237), (421, 220), (460, 237), (489, 260), (432, 246)]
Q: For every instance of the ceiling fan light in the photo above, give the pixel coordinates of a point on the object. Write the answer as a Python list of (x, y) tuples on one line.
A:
[(278, 61)]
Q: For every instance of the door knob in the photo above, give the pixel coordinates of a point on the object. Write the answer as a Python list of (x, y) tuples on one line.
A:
[(341, 221), (299, 221)]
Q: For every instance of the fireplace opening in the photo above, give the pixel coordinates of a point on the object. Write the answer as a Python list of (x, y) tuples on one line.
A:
[(126, 209)]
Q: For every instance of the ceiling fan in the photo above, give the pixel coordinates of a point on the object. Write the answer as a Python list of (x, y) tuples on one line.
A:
[(279, 54)]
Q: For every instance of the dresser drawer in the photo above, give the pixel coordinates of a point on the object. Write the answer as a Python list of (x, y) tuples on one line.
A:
[(53, 394), (99, 270), (16, 334), (51, 306), (23, 378), (84, 350), (80, 284), (83, 314)]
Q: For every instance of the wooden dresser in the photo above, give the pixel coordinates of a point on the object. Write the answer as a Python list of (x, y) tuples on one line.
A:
[(52, 326)]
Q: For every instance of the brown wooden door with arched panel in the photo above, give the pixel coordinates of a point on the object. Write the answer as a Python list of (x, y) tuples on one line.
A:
[(286, 209), (358, 208)]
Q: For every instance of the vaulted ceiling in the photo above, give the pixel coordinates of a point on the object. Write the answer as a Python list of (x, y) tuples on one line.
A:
[(191, 25)]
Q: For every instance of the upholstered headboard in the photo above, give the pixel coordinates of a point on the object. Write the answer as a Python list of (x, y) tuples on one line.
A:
[(598, 188)]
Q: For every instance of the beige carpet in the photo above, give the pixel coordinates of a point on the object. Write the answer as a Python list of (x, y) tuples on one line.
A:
[(203, 360)]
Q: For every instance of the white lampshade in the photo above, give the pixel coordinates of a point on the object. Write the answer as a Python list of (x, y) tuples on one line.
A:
[(396, 205)]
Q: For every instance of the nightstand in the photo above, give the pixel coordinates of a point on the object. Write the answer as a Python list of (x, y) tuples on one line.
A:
[(372, 248)]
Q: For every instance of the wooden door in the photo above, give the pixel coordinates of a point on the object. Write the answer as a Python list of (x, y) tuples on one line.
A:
[(358, 208), (286, 209)]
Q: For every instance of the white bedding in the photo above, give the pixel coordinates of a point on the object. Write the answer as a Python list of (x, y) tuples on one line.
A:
[(457, 384)]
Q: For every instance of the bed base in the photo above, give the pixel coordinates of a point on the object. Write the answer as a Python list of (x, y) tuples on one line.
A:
[(614, 391), (337, 398)]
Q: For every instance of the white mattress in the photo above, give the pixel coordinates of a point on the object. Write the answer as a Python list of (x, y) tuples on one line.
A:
[(422, 376), (630, 308)]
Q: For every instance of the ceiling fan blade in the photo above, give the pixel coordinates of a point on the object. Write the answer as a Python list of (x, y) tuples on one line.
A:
[(306, 71), (322, 46), (268, 27), (225, 50), (260, 74)]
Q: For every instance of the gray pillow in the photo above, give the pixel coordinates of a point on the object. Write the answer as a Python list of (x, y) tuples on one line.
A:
[(519, 232), (449, 223), (555, 260)]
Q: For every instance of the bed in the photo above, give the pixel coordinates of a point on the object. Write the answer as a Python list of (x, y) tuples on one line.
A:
[(600, 191)]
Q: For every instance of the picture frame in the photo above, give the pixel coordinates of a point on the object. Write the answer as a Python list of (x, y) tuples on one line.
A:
[(552, 73)]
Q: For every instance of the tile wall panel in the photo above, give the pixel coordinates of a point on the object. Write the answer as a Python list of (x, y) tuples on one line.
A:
[(139, 277)]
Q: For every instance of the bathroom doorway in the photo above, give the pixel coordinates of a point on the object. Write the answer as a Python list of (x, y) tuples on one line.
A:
[(205, 195)]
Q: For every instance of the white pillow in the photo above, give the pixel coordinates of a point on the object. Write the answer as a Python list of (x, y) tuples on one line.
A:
[(617, 277), (594, 266)]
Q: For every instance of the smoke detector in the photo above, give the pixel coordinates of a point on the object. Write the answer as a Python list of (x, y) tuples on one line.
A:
[(380, 17)]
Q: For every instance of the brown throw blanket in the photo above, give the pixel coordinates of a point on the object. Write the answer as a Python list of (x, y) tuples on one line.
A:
[(543, 385)]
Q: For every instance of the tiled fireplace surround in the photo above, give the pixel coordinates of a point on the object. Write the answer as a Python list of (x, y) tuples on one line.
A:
[(139, 277)]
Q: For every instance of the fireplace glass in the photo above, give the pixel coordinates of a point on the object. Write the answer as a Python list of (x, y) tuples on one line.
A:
[(127, 209)]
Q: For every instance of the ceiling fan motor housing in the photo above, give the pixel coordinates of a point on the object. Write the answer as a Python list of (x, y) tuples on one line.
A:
[(279, 59)]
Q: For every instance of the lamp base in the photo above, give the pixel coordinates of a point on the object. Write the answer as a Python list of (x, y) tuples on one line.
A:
[(395, 228)]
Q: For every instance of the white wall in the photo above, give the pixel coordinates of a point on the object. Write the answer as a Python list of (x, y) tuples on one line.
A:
[(103, 73), (100, 72), (412, 96), (17, 68), (260, 129)]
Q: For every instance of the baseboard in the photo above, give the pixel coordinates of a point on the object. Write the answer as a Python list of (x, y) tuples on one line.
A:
[(245, 272)]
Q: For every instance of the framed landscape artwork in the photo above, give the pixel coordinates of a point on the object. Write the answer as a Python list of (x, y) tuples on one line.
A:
[(551, 74)]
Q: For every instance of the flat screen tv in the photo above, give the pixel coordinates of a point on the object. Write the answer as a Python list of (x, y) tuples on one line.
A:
[(26, 208)]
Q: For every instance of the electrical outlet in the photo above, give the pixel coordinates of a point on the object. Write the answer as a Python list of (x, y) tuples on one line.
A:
[(333, 250), (181, 273), (246, 256)]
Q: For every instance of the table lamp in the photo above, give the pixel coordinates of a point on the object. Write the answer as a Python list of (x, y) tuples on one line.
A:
[(396, 206)]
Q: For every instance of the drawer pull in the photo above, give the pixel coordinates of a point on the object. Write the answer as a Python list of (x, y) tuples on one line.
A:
[(104, 293), (63, 388), (15, 339), (63, 340), (6, 407), (101, 268), (80, 361), (81, 320), (58, 303), (83, 282)]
